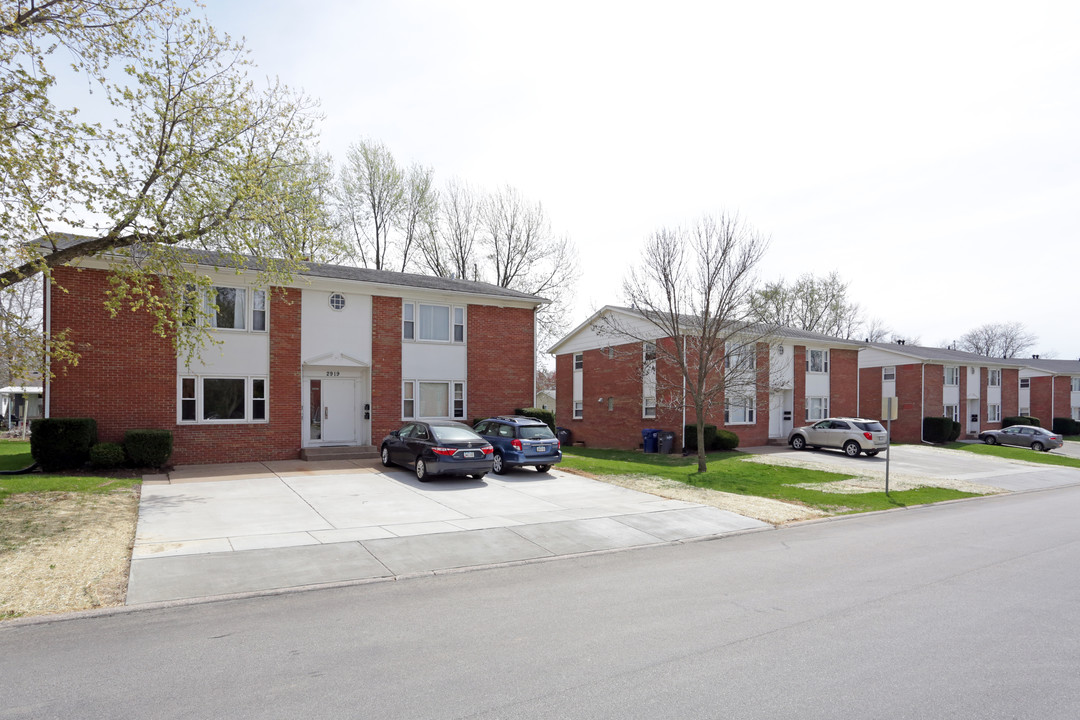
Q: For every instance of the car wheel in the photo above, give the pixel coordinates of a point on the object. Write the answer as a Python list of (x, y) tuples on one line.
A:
[(798, 442), (386, 457), (1037, 446), (543, 468), (478, 476), (421, 470), (852, 449), (497, 464), (871, 453), (990, 440)]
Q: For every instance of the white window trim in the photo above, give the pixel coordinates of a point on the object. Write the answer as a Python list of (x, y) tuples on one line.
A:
[(415, 384), (993, 374), (248, 399), (888, 373), (579, 362), (579, 410), (748, 404), (1074, 384), (825, 362), (646, 406), (1024, 386), (824, 407), (955, 414), (450, 323), (955, 373), (249, 310), (741, 353), (993, 412)]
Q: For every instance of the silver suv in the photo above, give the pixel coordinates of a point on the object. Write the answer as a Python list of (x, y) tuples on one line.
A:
[(852, 435)]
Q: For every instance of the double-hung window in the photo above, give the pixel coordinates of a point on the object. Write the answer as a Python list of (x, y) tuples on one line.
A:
[(205, 399), (579, 361), (952, 375), (1025, 383), (432, 323), (232, 308), (993, 413), (995, 378), (432, 399), (579, 410), (740, 357), (817, 408), (739, 411), (817, 361), (888, 374)]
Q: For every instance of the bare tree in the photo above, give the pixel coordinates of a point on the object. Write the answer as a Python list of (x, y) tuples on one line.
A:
[(876, 330), (371, 199), (418, 216), (1003, 340), (523, 253), (450, 249), (692, 290), (810, 303)]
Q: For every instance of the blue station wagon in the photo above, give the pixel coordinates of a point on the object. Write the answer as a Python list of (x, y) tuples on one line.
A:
[(519, 441)]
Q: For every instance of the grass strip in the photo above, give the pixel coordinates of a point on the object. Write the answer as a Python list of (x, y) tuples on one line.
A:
[(15, 455), (729, 472), (1017, 453)]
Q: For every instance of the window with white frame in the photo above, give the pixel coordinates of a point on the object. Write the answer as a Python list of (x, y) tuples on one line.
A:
[(952, 375), (888, 374), (578, 410), (993, 413), (648, 350), (1025, 412), (953, 412), (579, 361), (222, 399), (1075, 384), (739, 411), (995, 378), (817, 408), (229, 308), (433, 399), (1025, 383), (740, 357), (432, 323), (1076, 413), (648, 407), (817, 361)]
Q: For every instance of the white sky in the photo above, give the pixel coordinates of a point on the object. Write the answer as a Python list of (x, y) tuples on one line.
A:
[(928, 151)]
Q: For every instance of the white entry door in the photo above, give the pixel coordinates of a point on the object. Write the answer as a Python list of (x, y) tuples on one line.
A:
[(333, 408)]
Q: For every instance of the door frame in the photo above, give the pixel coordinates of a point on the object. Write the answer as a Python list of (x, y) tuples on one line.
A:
[(361, 377)]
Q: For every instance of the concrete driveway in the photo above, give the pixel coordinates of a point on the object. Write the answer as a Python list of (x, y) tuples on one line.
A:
[(214, 530), (929, 463)]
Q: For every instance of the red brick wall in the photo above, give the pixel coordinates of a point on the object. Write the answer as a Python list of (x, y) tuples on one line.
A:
[(127, 376), (908, 424), (1062, 399), (798, 412), (501, 360), (934, 391), (1041, 390), (843, 382), (385, 366), (870, 393), (1010, 392)]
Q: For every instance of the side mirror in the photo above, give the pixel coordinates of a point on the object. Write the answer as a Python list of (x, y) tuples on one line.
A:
[(394, 433)]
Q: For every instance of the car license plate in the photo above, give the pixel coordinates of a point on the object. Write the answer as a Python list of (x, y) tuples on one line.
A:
[(541, 448), (469, 454)]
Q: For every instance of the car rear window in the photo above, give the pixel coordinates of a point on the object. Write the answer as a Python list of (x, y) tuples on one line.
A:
[(870, 426), (453, 434), (530, 432)]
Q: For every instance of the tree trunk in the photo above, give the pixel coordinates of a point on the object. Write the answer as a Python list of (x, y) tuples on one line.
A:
[(701, 465)]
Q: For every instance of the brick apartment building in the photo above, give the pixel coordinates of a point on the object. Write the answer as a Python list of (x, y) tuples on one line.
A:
[(608, 390), (339, 357), (1052, 388)]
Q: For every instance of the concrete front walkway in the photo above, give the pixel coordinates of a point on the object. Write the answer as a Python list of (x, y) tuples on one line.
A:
[(214, 530)]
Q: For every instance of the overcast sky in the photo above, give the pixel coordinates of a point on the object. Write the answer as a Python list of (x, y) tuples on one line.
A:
[(927, 151)]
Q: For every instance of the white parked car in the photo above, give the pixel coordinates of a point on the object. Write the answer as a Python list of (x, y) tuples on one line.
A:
[(852, 435)]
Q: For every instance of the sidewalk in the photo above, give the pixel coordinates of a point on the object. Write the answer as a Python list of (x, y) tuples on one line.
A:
[(215, 530)]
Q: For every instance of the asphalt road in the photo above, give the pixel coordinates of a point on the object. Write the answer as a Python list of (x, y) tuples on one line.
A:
[(962, 610)]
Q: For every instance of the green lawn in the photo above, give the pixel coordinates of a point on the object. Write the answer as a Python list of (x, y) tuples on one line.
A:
[(728, 472), (15, 455), (1017, 453)]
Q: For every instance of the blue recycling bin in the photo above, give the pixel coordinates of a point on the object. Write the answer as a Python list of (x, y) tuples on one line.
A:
[(650, 438)]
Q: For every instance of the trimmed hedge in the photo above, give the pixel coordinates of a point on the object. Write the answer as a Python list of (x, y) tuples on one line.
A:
[(62, 443), (148, 448), (1066, 426), (955, 431), (545, 415), (937, 429), (106, 455), (726, 440), (1020, 420), (691, 437)]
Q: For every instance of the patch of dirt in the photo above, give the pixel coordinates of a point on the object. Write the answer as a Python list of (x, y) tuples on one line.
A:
[(62, 551), (774, 512)]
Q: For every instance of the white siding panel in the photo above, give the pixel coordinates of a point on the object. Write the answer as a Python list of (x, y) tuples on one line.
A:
[(240, 353), (433, 361), (324, 330), (817, 385)]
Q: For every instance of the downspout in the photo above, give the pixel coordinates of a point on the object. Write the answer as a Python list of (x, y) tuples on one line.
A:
[(1053, 392), (684, 397), (47, 370)]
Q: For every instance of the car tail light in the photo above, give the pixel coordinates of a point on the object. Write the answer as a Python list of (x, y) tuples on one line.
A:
[(487, 449), (516, 444), (558, 443), (443, 451), (868, 436)]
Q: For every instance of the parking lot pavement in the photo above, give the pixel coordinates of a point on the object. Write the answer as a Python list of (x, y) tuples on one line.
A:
[(929, 463), (1071, 448), (261, 526)]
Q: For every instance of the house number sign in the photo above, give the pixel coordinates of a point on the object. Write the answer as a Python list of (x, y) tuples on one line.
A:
[(333, 373)]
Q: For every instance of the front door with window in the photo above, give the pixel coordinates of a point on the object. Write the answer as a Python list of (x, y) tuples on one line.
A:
[(332, 411)]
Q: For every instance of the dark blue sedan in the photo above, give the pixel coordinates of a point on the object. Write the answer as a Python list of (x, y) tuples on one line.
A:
[(437, 447)]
